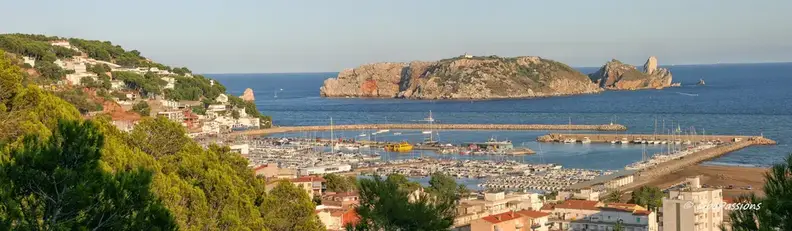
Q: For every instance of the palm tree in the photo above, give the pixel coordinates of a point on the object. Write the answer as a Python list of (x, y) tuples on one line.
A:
[(614, 195), (774, 211)]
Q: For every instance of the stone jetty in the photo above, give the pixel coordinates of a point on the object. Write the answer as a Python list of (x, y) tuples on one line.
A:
[(601, 127), (652, 173), (607, 138)]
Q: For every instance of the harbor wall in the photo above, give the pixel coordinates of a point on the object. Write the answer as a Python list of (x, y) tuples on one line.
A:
[(601, 127), (652, 173), (607, 138)]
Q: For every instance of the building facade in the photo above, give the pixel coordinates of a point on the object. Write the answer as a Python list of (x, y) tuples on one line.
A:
[(693, 208)]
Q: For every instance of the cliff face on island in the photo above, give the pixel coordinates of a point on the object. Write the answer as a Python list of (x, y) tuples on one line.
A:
[(616, 75), (461, 78)]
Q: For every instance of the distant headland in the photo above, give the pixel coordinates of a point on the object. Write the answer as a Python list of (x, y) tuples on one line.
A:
[(490, 77)]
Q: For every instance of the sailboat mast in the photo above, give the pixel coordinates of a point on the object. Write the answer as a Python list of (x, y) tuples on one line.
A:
[(332, 136), (431, 129)]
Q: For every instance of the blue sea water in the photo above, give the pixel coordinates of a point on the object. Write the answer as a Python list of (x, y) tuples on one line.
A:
[(749, 99)]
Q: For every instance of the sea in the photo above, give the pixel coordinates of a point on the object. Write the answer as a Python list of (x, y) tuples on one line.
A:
[(745, 99)]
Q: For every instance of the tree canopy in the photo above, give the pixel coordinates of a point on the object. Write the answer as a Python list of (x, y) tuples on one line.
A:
[(288, 207), (775, 209), (57, 185), (202, 188), (647, 196), (338, 183), (396, 204)]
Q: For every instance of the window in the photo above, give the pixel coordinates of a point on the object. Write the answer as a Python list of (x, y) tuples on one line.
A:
[(638, 219)]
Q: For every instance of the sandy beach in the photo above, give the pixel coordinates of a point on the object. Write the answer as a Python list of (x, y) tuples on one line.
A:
[(723, 176)]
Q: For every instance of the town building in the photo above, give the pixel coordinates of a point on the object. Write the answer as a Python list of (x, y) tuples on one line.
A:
[(29, 60), (583, 194), (243, 149), (63, 43), (222, 98), (490, 203), (321, 170), (341, 199), (523, 220), (170, 82), (336, 218), (693, 208), (594, 215), (272, 170)]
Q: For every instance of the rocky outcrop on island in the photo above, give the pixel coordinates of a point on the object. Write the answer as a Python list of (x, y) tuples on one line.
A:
[(463, 77), (616, 75), (248, 95)]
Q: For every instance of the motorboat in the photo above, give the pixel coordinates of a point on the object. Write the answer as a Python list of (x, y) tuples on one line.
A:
[(586, 140)]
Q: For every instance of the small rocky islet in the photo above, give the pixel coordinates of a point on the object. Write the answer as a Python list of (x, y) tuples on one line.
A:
[(490, 77)]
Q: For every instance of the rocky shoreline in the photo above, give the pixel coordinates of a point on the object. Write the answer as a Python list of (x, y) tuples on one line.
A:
[(491, 77)]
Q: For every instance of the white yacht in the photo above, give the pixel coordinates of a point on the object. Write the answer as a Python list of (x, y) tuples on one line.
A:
[(586, 140)]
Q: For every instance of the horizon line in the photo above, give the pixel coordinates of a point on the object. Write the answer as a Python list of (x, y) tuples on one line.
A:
[(668, 65)]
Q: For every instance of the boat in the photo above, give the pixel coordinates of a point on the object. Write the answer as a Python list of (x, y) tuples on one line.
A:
[(700, 82), (396, 133), (624, 141), (400, 147), (382, 131), (586, 140), (427, 132), (569, 140), (613, 142), (362, 134)]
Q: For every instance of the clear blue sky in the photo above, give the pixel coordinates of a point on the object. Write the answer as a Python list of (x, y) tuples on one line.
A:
[(245, 36)]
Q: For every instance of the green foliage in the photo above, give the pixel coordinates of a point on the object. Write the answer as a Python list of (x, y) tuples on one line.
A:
[(194, 88), (181, 71), (159, 136), (80, 100), (57, 185), (647, 196), (618, 226), (119, 95), (774, 211), (10, 79), (337, 183), (32, 111), (142, 108), (250, 109), (50, 70), (288, 207), (143, 83), (98, 69), (445, 186), (200, 109), (106, 51), (392, 204), (613, 196), (34, 46)]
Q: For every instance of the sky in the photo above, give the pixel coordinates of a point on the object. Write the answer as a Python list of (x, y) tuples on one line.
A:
[(271, 36)]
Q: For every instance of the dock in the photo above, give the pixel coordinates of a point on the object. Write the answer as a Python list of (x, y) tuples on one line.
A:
[(607, 138), (274, 130), (730, 143)]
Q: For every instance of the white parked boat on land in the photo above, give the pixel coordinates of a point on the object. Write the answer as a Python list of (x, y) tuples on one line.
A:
[(586, 140), (569, 140)]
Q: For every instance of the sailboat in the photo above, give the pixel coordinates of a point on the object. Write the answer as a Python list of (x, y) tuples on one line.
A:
[(430, 132)]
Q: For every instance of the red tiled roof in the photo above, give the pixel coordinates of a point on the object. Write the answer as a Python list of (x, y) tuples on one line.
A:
[(498, 218), (578, 204), (533, 214), (548, 207)]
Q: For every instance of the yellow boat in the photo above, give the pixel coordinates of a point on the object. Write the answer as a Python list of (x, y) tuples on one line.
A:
[(400, 147)]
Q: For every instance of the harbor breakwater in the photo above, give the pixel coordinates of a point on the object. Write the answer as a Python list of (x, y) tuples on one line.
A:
[(600, 127), (607, 138), (647, 175)]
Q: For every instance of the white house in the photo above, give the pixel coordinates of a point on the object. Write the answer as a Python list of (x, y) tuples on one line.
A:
[(593, 215), (216, 108), (171, 82), (321, 170), (29, 60), (63, 43), (117, 84), (222, 98)]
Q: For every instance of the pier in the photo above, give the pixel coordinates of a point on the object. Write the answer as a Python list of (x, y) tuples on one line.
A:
[(274, 130), (725, 144), (607, 138)]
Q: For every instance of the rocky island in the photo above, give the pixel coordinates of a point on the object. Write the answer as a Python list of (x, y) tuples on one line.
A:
[(463, 77), (616, 75), (490, 77)]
